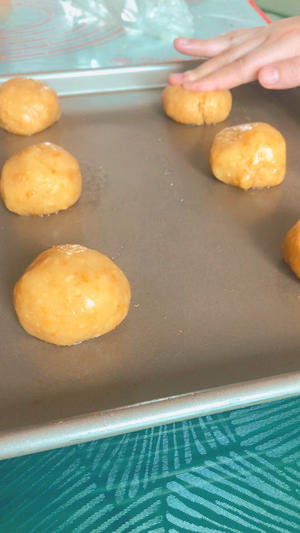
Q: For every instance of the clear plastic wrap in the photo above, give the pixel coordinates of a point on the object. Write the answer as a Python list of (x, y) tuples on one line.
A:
[(163, 20), (82, 12)]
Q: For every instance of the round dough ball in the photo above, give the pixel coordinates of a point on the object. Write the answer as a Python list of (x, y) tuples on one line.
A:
[(196, 107), (249, 155), (40, 180), (27, 106), (291, 248), (70, 294)]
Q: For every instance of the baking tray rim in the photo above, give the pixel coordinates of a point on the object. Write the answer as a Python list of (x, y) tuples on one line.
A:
[(107, 79), (108, 423), (112, 422)]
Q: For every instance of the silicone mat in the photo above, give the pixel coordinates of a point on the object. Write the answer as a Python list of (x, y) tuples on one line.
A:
[(235, 472), (41, 36)]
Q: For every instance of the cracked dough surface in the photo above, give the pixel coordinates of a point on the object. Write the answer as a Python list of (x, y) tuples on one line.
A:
[(27, 106), (196, 107), (40, 180), (71, 293), (249, 155)]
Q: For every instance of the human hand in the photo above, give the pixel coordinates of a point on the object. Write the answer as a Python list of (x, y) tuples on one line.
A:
[(269, 54)]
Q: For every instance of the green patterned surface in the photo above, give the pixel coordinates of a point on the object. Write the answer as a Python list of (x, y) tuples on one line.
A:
[(233, 472)]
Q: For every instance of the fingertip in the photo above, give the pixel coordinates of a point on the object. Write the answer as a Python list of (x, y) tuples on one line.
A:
[(175, 79), (181, 42), (268, 77)]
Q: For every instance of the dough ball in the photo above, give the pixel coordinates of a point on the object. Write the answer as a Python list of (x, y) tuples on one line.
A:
[(70, 294), (249, 155), (40, 180), (27, 106), (196, 107), (291, 248)]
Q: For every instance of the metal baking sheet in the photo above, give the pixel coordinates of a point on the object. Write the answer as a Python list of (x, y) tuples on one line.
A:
[(214, 308)]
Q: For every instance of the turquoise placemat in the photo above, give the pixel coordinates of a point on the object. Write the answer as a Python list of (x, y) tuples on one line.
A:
[(234, 472)]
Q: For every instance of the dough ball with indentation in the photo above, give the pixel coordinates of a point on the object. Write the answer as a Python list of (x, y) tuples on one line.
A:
[(196, 107), (291, 248), (249, 155), (40, 180), (27, 106), (70, 294)]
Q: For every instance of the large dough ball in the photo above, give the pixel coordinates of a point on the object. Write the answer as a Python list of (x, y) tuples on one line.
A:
[(291, 248), (27, 106), (196, 107), (249, 155), (40, 180), (71, 293)]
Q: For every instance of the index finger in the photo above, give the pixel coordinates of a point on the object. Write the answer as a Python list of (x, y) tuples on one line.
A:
[(210, 47)]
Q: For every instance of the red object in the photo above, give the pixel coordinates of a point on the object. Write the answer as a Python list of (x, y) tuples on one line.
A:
[(259, 11)]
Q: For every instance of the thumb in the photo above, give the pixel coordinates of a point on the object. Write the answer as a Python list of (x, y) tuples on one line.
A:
[(281, 75)]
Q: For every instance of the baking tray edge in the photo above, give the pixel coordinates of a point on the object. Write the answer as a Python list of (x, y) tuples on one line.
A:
[(140, 416), (103, 80), (136, 417)]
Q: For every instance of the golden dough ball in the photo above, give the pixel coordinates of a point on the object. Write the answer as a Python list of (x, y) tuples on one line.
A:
[(70, 294), (291, 248), (196, 107), (40, 180), (249, 155), (27, 106)]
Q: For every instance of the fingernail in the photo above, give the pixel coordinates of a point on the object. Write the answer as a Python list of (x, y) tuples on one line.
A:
[(183, 41), (270, 75), (189, 75)]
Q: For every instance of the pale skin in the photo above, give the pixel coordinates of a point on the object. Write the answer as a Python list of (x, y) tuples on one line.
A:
[(269, 54)]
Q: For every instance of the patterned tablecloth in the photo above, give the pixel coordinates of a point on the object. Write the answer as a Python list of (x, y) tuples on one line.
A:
[(235, 472)]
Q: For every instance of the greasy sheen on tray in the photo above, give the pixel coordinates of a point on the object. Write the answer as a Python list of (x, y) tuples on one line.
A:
[(70, 294)]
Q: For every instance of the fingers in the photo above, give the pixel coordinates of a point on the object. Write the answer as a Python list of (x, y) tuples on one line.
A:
[(225, 71), (221, 60), (242, 44), (270, 54), (244, 68), (227, 77), (281, 75), (206, 48)]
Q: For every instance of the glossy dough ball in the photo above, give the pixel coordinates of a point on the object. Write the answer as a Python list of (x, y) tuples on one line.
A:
[(71, 293), (27, 106), (249, 155), (40, 180), (196, 107), (291, 248)]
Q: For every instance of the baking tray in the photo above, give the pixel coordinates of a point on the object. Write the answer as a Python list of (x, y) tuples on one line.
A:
[(214, 309)]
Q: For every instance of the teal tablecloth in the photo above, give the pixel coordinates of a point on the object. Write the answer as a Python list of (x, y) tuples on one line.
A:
[(233, 472)]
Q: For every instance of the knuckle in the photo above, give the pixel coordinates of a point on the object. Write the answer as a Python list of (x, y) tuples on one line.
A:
[(242, 67)]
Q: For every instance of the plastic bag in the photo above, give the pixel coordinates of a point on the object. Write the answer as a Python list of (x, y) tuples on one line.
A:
[(161, 19), (79, 12)]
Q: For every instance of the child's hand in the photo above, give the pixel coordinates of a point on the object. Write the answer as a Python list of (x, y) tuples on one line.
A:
[(270, 54)]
